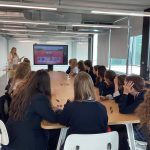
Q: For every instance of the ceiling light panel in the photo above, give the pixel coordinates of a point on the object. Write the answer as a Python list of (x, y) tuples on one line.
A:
[(122, 13), (25, 6), (23, 22)]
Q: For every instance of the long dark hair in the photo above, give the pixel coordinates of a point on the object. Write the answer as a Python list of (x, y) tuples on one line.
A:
[(110, 75), (38, 83), (101, 72), (81, 65), (138, 82)]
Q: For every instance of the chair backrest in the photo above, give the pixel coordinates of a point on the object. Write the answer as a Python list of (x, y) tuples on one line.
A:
[(4, 107), (4, 140), (103, 141)]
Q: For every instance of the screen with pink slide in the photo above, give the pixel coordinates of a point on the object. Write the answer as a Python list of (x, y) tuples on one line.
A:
[(50, 54)]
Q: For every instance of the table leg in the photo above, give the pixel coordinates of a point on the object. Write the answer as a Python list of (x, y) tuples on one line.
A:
[(62, 137), (130, 133)]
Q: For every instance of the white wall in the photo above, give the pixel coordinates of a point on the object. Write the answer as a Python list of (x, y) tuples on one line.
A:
[(3, 54), (82, 50), (3, 63)]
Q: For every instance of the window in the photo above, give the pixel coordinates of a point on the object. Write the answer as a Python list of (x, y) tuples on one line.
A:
[(95, 50), (118, 65), (135, 54)]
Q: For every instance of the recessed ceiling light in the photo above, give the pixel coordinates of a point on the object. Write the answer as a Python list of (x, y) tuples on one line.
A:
[(26, 6), (98, 26), (23, 22), (22, 30)]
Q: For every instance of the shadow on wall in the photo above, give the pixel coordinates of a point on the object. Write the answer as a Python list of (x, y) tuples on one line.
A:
[(3, 83)]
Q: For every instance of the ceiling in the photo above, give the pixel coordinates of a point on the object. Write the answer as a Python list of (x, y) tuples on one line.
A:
[(26, 24)]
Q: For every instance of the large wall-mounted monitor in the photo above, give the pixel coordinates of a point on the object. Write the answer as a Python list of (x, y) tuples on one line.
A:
[(50, 54)]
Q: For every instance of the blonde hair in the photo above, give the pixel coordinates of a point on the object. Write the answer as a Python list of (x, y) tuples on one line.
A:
[(22, 84), (83, 87), (22, 70), (13, 54), (143, 111), (73, 63)]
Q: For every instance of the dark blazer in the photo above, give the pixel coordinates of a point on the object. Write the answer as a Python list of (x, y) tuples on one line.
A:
[(93, 76), (117, 98), (68, 70), (128, 103), (27, 134), (104, 89), (86, 117)]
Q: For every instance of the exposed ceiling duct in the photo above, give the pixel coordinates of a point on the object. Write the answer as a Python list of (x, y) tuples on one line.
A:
[(70, 17), (53, 17)]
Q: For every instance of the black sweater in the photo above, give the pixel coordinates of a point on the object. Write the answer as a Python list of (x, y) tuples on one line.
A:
[(27, 134), (128, 103), (93, 76), (104, 89), (86, 117)]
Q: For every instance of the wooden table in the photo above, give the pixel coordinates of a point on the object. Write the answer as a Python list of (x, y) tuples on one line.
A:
[(62, 89)]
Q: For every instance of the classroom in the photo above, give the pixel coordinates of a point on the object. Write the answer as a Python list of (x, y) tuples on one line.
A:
[(74, 75)]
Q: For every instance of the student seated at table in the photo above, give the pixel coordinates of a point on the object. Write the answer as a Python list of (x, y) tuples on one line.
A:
[(133, 94), (22, 70), (95, 70), (143, 111), (84, 115), (69, 68), (89, 69), (28, 108), (100, 75), (74, 67), (81, 66), (23, 82), (118, 82), (107, 89)]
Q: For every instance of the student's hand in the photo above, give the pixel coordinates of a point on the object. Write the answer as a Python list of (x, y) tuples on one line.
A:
[(103, 98), (20, 59), (128, 87), (116, 80), (57, 107), (71, 74)]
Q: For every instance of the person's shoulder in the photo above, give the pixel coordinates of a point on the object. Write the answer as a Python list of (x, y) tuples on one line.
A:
[(100, 105), (70, 103), (142, 94), (39, 97), (9, 55)]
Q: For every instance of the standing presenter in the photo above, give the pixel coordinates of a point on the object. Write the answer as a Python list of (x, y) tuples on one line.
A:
[(13, 59)]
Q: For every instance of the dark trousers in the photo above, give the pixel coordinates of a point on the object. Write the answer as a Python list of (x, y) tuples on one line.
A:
[(121, 129), (53, 136)]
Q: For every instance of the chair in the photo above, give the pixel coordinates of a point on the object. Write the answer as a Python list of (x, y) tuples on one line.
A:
[(4, 140), (5, 101), (140, 145), (103, 141)]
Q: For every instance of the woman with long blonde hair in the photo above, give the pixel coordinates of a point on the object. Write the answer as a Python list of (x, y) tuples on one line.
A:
[(84, 115), (13, 58)]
